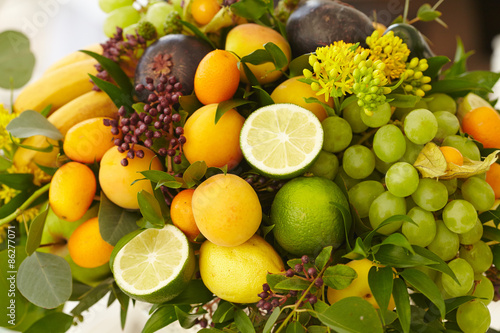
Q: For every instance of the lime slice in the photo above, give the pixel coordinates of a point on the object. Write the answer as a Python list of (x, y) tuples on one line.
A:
[(470, 102), (155, 265), (281, 140)]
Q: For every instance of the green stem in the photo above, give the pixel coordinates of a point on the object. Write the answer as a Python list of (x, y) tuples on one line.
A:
[(405, 13), (25, 205), (437, 4)]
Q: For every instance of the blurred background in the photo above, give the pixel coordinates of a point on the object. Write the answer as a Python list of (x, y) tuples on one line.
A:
[(59, 27)]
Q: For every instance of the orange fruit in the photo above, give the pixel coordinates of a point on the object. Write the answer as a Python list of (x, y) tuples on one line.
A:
[(493, 178), (181, 212), (86, 246), (452, 155), (204, 10), (482, 124), (217, 77)]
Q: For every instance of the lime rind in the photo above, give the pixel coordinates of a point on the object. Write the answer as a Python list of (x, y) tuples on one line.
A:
[(281, 140)]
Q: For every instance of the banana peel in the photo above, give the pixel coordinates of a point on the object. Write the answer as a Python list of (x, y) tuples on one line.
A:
[(432, 164), (74, 57)]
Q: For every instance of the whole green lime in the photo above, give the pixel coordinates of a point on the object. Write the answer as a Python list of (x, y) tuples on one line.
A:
[(306, 216)]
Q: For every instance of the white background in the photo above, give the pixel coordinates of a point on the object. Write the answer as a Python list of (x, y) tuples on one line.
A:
[(57, 28)]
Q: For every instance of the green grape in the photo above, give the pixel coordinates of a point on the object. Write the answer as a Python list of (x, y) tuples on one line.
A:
[(445, 244), (130, 30), (344, 180), (389, 143), (402, 179), (479, 193), (410, 203), (157, 14), (473, 317), (465, 276), (459, 216), (478, 255), (451, 185), (121, 17), (448, 124), (441, 102), (379, 117), (411, 152), (420, 126), (465, 145), (473, 235), (423, 233), (352, 113), (108, 6), (326, 165), (482, 288), (358, 161), (401, 113), (383, 207), (362, 195), (381, 166), (431, 194), (338, 134)]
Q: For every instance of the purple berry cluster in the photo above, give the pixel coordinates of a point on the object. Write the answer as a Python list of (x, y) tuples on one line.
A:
[(261, 183)]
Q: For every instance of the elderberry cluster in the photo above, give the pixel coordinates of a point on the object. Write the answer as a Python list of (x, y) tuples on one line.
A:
[(158, 121)]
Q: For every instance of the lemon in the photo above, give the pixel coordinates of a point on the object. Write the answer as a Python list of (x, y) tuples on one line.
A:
[(281, 140), (305, 215), (236, 274), (155, 265), (470, 102)]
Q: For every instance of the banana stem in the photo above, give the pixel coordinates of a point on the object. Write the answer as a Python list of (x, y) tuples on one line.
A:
[(25, 205)]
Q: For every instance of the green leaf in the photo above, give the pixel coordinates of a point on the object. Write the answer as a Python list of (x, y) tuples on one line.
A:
[(16, 60), (79, 289), (329, 110), (451, 304), (195, 293), (321, 306), (484, 78), (273, 279), (30, 123), (250, 9), (93, 296), (17, 181), (396, 256), (279, 59), (225, 106), (293, 283), (347, 219), (36, 231), (243, 323), (257, 57), (295, 327), (56, 322), (47, 149), (352, 315), (48, 170), (190, 103), (360, 251), (426, 13), (339, 276), (5, 163), (264, 97), (225, 311), (45, 280), (459, 62), (323, 257), (150, 210), (392, 219), (490, 215), (117, 95), (198, 33), (186, 320), (459, 87), (403, 101), (441, 266), (317, 329), (138, 107), (396, 239), (114, 70), (491, 233), (297, 65), (194, 173), (272, 320), (163, 316), (424, 284), (114, 221), (380, 280), (402, 301), (14, 203), (161, 178), (435, 65), (266, 229)]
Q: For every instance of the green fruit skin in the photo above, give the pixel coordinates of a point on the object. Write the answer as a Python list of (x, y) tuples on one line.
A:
[(326, 165)]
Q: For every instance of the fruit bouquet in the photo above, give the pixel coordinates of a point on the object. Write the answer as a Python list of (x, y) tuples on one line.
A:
[(250, 166)]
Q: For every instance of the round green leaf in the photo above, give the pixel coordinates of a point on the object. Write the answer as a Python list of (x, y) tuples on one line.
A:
[(16, 60)]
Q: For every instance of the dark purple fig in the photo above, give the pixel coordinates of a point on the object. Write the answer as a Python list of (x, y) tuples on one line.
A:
[(413, 39), (317, 23), (173, 55)]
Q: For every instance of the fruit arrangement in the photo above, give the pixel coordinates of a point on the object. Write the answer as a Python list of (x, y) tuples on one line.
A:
[(245, 166)]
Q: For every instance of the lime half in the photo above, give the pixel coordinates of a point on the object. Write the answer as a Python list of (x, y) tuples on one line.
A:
[(155, 265), (281, 140), (468, 103)]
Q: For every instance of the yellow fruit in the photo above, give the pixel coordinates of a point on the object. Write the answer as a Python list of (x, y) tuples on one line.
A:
[(72, 191), (246, 38), (359, 286), (116, 180), (204, 10), (295, 92), (86, 246), (181, 212), (74, 57), (57, 88), (236, 274), (87, 141), (216, 144), (226, 210), (27, 157)]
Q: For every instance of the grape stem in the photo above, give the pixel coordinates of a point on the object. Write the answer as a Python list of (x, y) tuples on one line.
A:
[(25, 205)]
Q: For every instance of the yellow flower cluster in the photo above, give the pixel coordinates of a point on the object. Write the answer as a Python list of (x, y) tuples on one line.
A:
[(391, 51), (5, 118)]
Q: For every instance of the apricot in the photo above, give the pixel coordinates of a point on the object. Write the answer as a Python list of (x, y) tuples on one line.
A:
[(72, 191), (117, 181), (246, 38), (226, 209)]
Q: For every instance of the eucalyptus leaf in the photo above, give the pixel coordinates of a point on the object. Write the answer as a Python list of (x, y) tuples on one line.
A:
[(339, 276), (93, 296), (225, 106), (45, 280), (56, 322), (36, 231), (150, 210), (293, 283), (380, 280), (30, 123), (17, 181), (243, 322), (194, 173), (323, 257), (162, 317), (272, 320), (117, 95), (16, 60), (295, 327), (250, 9), (114, 221), (424, 284), (402, 301)]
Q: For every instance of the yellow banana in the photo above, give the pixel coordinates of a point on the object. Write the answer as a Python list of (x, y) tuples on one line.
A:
[(89, 105), (57, 88), (74, 58)]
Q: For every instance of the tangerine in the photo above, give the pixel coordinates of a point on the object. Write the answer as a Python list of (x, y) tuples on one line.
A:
[(203, 11), (482, 124), (181, 212)]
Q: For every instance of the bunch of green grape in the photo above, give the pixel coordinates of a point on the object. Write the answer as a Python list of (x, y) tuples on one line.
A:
[(373, 157), (127, 14)]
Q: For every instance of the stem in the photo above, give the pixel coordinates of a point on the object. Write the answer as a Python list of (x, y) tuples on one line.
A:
[(366, 136), (405, 13), (437, 4), (25, 205)]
